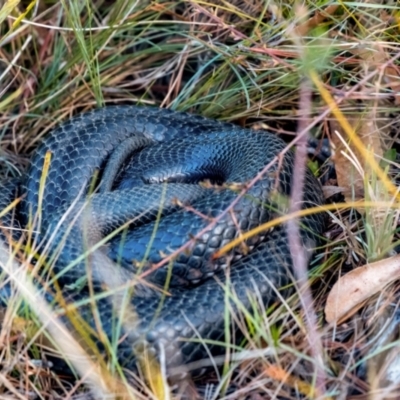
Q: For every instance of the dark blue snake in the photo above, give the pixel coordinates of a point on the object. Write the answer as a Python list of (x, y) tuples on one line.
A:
[(141, 171)]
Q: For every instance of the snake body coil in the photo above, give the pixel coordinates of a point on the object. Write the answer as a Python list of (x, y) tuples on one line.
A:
[(146, 159)]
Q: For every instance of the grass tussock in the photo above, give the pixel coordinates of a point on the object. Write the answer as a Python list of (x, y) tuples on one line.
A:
[(282, 66)]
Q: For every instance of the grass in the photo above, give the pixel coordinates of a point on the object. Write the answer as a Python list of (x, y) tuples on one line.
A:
[(245, 61)]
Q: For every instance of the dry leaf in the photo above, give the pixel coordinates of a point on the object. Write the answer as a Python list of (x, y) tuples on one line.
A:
[(392, 77), (279, 374), (330, 191), (383, 364), (352, 290), (318, 18), (349, 164)]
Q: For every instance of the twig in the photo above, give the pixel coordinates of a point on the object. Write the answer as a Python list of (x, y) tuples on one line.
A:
[(299, 256)]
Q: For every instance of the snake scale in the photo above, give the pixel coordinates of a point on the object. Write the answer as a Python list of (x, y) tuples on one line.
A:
[(142, 167)]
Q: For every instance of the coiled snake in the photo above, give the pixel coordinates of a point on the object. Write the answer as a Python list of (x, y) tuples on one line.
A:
[(145, 159)]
